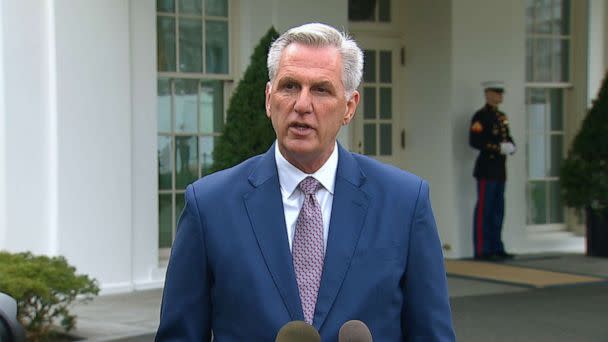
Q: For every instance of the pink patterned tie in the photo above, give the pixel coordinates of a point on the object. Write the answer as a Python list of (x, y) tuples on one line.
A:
[(308, 248)]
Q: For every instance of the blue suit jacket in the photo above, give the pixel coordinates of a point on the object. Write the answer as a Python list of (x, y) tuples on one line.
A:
[(231, 269)]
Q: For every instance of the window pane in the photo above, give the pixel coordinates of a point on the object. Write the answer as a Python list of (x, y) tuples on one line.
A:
[(165, 167), (163, 101), (165, 216), (529, 16), (536, 157), (537, 209), (216, 47), (190, 45), (217, 8), (386, 139), (384, 10), (543, 16), (206, 145), (369, 66), (386, 66), (556, 208), (536, 109), (211, 115), (165, 37), (556, 155), (561, 60), (186, 161), (180, 203), (361, 10), (190, 6), (369, 139), (186, 93), (386, 100), (165, 6), (557, 110), (541, 65), (369, 102), (565, 17)]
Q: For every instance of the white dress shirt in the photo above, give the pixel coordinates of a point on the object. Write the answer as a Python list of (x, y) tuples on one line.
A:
[(293, 198)]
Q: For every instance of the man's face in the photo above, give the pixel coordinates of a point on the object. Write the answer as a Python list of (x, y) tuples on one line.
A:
[(493, 98), (307, 105)]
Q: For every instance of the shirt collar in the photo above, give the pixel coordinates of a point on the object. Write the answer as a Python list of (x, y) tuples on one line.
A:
[(290, 176)]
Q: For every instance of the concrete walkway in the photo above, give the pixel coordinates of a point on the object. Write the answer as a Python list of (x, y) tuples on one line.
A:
[(134, 317)]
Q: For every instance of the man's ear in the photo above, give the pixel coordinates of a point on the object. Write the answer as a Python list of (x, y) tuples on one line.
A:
[(267, 92), (351, 107)]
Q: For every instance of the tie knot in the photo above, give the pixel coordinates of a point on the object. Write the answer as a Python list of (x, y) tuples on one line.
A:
[(309, 185)]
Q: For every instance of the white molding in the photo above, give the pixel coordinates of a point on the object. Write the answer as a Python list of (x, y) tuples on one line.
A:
[(116, 288), (149, 285)]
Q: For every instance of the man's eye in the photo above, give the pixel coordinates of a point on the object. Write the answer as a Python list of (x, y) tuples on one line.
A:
[(289, 86), (322, 90)]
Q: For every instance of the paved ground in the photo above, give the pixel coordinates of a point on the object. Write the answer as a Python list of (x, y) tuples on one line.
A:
[(482, 310)]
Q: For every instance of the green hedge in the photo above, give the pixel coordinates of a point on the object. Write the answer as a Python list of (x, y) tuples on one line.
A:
[(44, 287)]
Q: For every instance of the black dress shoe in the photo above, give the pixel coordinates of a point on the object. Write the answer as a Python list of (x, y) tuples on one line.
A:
[(505, 255)]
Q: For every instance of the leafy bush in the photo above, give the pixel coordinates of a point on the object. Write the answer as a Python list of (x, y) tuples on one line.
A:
[(44, 287), (584, 173), (248, 131)]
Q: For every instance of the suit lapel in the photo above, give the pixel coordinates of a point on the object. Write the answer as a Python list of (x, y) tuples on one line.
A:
[(349, 210), (265, 209)]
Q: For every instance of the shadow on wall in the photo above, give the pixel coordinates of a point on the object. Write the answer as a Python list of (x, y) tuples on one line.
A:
[(464, 159)]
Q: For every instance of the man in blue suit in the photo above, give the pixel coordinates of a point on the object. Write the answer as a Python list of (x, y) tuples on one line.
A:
[(307, 231)]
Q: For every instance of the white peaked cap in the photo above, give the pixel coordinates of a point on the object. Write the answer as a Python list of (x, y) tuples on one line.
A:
[(493, 85)]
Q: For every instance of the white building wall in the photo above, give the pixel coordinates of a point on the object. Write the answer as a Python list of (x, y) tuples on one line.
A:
[(78, 172), (25, 177), (488, 46)]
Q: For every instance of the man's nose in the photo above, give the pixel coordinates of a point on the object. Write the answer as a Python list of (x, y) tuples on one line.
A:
[(303, 103)]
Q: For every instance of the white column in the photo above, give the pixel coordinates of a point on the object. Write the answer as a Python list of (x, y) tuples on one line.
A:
[(144, 131), (93, 96), (3, 227), (25, 160), (427, 105)]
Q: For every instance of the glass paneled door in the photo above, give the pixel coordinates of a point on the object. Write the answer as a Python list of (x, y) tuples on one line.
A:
[(378, 125)]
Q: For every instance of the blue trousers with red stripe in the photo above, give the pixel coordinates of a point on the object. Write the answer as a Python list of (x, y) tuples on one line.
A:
[(488, 217)]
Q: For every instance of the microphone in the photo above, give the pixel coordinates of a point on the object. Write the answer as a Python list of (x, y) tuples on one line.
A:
[(354, 331), (298, 331)]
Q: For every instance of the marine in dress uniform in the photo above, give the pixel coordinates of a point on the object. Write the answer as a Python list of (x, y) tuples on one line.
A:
[(489, 133)]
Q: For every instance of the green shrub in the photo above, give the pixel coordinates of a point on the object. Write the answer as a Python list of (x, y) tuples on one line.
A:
[(584, 173), (248, 131), (44, 287)]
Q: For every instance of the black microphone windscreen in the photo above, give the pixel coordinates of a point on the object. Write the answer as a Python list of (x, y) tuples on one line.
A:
[(354, 331), (298, 331)]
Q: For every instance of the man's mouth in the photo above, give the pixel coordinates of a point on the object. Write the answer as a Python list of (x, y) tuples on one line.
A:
[(300, 128)]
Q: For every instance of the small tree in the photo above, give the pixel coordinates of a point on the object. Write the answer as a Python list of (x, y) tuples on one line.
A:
[(44, 288), (584, 173), (248, 131)]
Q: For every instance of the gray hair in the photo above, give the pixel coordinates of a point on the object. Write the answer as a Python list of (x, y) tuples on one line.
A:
[(321, 35)]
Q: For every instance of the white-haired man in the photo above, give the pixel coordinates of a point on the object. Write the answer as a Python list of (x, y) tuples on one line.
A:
[(307, 231)]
